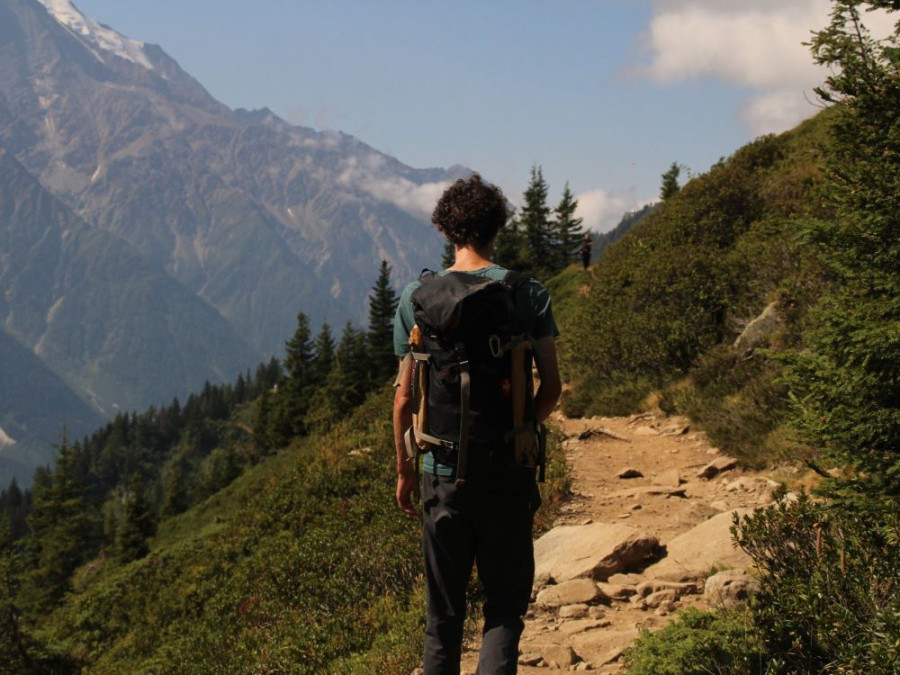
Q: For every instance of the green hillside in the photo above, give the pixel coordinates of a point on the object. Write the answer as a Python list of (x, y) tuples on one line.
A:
[(667, 301), (296, 565)]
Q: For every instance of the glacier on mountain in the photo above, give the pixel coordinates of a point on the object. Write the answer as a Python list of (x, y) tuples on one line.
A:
[(67, 14)]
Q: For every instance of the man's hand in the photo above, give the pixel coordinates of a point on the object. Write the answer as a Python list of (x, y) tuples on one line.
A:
[(407, 490)]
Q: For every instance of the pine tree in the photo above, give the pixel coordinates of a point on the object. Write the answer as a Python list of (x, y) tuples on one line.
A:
[(14, 656), (509, 246), (323, 355), (13, 507), (353, 356), (347, 383), (846, 378), (670, 182), (382, 306), (292, 402), (263, 423), (136, 525), (61, 532), (534, 218), (568, 229), (323, 367), (175, 497), (449, 255)]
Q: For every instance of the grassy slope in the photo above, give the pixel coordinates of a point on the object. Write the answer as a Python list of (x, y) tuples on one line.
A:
[(298, 563)]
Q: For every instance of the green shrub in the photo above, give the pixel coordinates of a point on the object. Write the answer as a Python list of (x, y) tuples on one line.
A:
[(700, 643), (828, 601)]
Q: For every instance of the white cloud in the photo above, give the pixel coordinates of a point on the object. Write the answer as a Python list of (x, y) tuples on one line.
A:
[(601, 211), (775, 111), (6, 439), (416, 200), (752, 43), (738, 42)]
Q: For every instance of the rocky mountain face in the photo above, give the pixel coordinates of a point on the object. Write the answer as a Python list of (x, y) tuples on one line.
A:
[(165, 238), (94, 316)]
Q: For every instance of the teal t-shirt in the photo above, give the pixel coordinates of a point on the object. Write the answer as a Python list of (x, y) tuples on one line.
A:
[(534, 312)]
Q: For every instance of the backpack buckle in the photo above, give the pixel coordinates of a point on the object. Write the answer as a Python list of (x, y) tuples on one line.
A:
[(496, 346)]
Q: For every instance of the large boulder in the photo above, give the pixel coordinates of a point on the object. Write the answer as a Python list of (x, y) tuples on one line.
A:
[(698, 551), (760, 329), (595, 551), (729, 588)]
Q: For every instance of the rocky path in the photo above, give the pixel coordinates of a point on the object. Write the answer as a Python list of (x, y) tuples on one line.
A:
[(646, 526)]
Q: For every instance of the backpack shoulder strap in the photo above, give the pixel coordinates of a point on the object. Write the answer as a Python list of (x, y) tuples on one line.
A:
[(514, 279)]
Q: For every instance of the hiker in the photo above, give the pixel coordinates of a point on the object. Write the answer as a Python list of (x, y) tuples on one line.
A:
[(484, 519), (585, 250)]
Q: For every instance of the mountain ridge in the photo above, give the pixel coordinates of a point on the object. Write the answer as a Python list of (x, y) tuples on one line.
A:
[(255, 218)]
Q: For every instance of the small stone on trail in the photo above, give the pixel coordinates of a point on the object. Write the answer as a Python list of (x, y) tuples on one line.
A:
[(561, 655), (666, 596), (629, 472), (592, 432), (578, 611), (572, 592), (717, 466), (670, 478), (596, 612), (530, 660), (617, 591), (651, 586)]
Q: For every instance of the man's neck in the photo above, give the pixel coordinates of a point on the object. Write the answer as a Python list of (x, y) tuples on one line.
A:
[(470, 258)]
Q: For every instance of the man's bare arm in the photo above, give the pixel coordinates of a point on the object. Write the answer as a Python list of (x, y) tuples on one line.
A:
[(550, 386), (407, 485)]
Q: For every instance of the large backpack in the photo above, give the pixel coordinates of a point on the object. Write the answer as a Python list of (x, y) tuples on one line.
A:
[(473, 395)]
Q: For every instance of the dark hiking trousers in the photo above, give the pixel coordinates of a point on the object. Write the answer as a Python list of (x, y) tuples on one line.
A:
[(487, 524)]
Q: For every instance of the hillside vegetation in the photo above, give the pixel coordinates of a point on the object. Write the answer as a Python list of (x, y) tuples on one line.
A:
[(668, 300)]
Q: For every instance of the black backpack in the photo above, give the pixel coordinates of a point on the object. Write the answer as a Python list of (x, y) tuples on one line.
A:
[(473, 394)]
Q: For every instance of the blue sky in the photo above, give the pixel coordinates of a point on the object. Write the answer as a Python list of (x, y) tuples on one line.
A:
[(604, 94)]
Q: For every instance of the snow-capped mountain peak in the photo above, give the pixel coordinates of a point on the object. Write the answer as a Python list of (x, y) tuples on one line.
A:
[(66, 13)]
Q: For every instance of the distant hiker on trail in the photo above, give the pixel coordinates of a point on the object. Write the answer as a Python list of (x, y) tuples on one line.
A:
[(585, 250), (466, 403)]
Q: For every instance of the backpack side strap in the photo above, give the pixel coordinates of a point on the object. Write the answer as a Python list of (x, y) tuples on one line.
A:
[(464, 394)]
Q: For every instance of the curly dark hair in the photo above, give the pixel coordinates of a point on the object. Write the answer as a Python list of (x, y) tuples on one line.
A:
[(470, 212)]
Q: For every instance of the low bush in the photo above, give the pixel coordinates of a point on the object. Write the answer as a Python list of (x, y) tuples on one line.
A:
[(829, 601), (700, 643)]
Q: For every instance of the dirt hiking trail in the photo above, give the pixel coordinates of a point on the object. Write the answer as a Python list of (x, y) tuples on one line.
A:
[(652, 501)]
